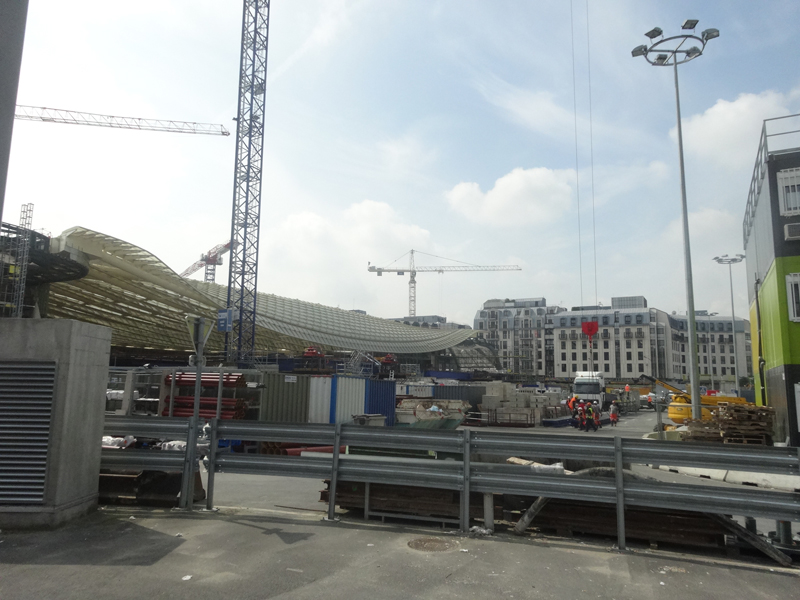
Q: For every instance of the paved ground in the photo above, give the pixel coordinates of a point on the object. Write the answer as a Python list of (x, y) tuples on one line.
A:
[(630, 426), (270, 541), (258, 554)]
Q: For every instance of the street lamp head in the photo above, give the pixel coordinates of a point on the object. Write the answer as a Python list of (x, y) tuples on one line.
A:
[(689, 24), (639, 51), (661, 59), (741, 256), (709, 34), (693, 52), (654, 33)]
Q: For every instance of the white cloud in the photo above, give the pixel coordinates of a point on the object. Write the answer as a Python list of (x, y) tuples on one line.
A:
[(727, 134), (522, 197)]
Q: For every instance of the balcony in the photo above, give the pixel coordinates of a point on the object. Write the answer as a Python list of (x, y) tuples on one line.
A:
[(605, 335), (640, 334), (628, 335), (573, 335), (562, 336)]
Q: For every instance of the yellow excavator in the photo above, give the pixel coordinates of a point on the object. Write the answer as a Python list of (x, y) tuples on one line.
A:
[(680, 408)]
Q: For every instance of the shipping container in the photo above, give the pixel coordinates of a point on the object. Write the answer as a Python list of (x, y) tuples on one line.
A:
[(424, 390), (347, 398), (457, 375), (381, 399), (284, 398), (319, 399)]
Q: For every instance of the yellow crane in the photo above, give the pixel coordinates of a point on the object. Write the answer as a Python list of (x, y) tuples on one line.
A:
[(413, 269), (680, 409)]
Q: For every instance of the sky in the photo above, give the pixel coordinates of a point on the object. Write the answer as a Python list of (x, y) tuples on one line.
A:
[(504, 132)]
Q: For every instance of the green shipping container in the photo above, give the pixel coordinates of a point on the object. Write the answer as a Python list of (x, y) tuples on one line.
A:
[(284, 398)]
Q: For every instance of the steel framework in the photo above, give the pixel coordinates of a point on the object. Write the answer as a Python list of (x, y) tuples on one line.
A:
[(209, 260), (245, 222), (74, 117)]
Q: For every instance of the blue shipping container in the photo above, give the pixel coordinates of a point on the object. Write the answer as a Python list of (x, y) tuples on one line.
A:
[(381, 399)]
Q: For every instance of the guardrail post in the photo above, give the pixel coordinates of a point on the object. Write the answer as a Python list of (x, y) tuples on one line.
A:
[(337, 436), (187, 480), (659, 420), (620, 493), (465, 486), (488, 511), (212, 464), (172, 393), (366, 501)]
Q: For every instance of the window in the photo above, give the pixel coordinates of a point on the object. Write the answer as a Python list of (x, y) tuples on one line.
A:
[(583, 357), (713, 349), (605, 355), (574, 356), (641, 367), (731, 350), (733, 371), (505, 345), (713, 360), (564, 356), (705, 360), (638, 319), (723, 370), (594, 356), (639, 344), (574, 345), (605, 344), (583, 345), (630, 368), (793, 296), (538, 366), (713, 370), (722, 361), (563, 322), (585, 368), (705, 348), (606, 369), (480, 325), (563, 368), (573, 321), (729, 326), (628, 355), (627, 343), (563, 346), (605, 322), (574, 367), (627, 319), (705, 370), (641, 356)]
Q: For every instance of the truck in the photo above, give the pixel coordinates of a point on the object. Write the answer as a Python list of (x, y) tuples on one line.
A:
[(590, 386)]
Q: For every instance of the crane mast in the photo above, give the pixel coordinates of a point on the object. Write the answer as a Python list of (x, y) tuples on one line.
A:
[(413, 269), (245, 222), (74, 117)]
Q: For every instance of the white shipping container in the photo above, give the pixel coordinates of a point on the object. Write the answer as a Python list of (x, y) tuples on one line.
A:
[(319, 399), (350, 398)]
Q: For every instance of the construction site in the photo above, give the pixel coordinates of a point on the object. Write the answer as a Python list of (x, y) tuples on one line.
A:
[(166, 432)]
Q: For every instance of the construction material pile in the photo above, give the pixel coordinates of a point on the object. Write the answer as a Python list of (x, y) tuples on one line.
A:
[(746, 423), (734, 424), (507, 404)]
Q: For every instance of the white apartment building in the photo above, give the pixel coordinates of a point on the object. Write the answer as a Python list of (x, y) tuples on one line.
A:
[(521, 331), (632, 339)]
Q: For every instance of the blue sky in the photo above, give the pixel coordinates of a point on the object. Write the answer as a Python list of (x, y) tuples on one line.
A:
[(443, 126)]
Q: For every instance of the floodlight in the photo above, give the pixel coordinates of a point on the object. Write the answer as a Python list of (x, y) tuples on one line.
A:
[(661, 59), (693, 52), (709, 34), (689, 24), (654, 32), (639, 51)]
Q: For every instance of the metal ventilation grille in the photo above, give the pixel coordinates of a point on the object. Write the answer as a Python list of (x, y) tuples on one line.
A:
[(26, 402)]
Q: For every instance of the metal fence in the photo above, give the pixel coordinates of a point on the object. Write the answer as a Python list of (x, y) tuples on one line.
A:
[(167, 428), (465, 476)]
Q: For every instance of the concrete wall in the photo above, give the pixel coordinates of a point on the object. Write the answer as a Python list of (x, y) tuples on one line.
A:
[(81, 353)]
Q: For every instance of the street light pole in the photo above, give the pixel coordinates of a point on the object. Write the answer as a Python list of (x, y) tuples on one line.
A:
[(732, 260), (668, 54)]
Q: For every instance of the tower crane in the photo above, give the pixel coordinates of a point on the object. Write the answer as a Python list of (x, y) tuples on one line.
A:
[(209, 260), (414, 269), (74, 117)]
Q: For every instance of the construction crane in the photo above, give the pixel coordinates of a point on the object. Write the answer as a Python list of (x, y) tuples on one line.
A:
[(209, 260), (74, 117), (240, 343), (414, 269)]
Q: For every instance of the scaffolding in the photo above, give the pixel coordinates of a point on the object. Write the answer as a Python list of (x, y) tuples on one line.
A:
[(14, 258)]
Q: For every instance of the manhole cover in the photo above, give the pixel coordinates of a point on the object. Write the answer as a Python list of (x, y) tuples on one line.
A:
[(432, 544)]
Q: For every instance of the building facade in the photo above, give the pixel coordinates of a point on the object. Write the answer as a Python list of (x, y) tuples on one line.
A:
[(771, 231), (521, 331), (632, 340)]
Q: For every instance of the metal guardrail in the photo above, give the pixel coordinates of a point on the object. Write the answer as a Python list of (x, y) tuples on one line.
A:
[(488, 478), (162, 428)]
